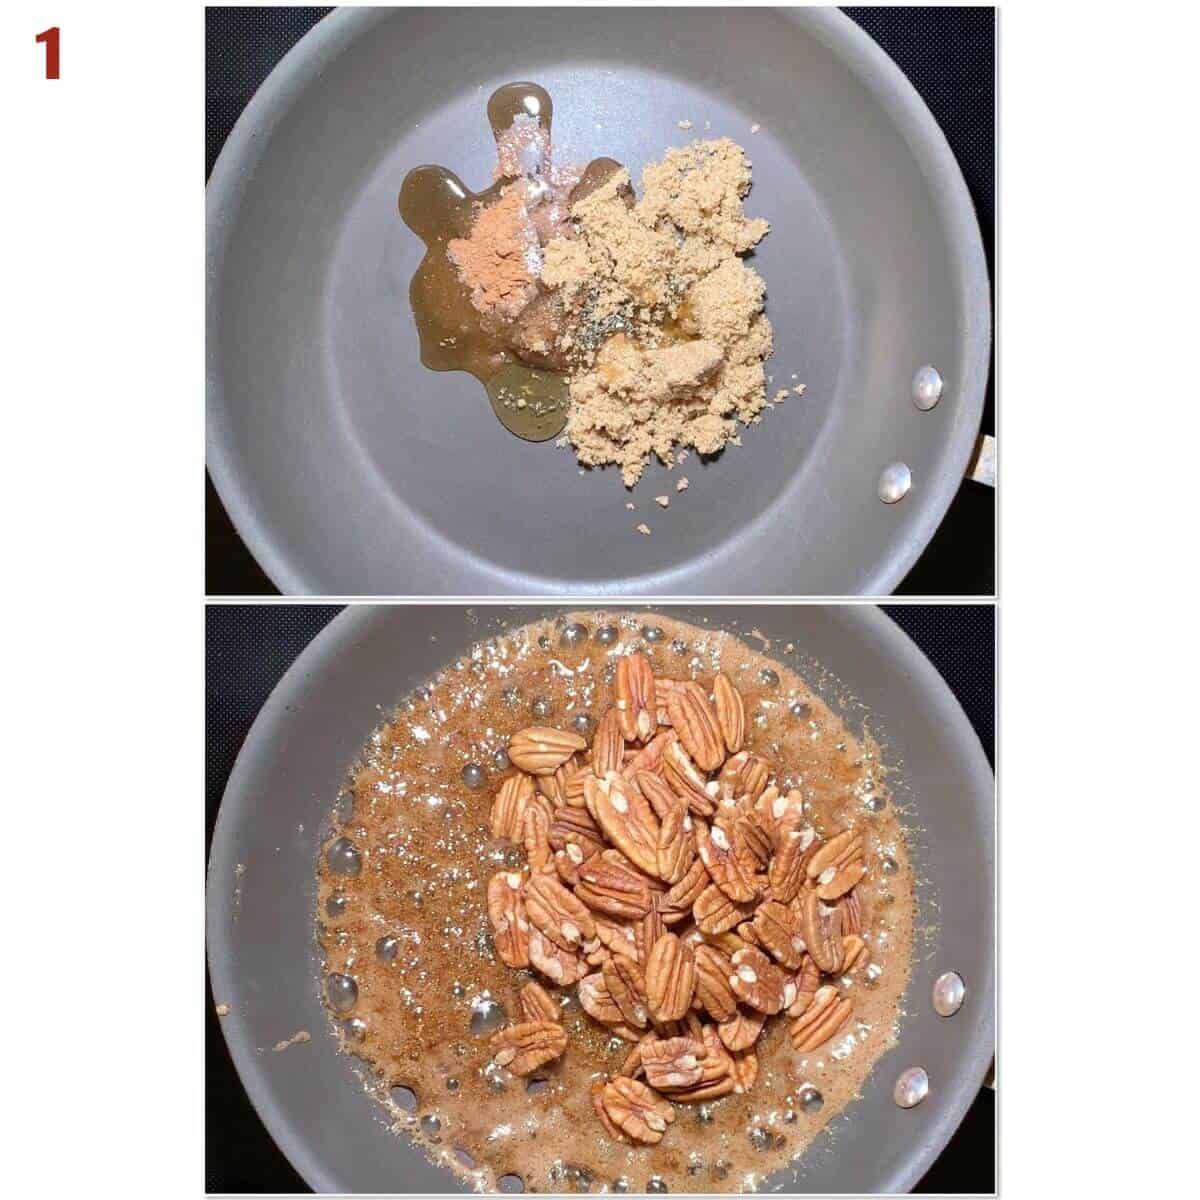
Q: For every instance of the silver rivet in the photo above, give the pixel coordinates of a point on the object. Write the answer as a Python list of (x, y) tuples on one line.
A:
[(544, 642), (790, 1116), (387, 948), (431, 1125), (679, 647), (874, 803), (888, 865), (356, 1029), (760, 720), (656, 1185), (574, 634), (926, 388), (620, 1185), (949, 991), (474, 776), (607, 634), (768, 678), (343, 858), (704, 1114), (873, 973), (581, 722), (811, 1100), (911, 1088), (799, 708), (510, 1183), (540, 707), (495, 1077), (423, 693), (760, 1138), (342, 992), (500, 760), (894, 483), (336, 905), (511, 695), (652, 633)]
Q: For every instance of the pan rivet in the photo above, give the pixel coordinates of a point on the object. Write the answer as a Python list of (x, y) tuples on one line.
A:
[(474, 776), (949, 991), (574, 634), (581, 722), (607, 634), (911, 1088), (894, 483), (540, 707), (810, 1099), (343, 858), (926, 388), (500, 760), (342, 992), (768, 678), (356, 1029)]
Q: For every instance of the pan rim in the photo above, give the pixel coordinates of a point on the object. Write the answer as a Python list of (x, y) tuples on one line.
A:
[(354, 621), (873, 68)]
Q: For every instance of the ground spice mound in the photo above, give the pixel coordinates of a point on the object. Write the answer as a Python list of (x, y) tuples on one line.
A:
[(641, 278)]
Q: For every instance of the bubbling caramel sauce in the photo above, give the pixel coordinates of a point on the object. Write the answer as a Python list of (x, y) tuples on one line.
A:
[(424, 1014), (526, 383)]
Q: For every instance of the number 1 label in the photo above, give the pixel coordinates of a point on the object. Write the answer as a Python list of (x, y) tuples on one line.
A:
[(49, 39)]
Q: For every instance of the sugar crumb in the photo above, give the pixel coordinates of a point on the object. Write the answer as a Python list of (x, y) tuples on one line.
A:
[(662, 500), (682, 485), (684, 125), (755, 128), (780, 396), (643, 529), (800, 389), (222, 1010), (300, 1036), (629, 504)]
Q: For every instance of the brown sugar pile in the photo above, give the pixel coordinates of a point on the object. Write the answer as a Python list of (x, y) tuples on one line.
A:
[(646, 304), (668, 330)]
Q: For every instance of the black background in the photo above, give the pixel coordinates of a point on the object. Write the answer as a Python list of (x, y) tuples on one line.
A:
[(949, 56), (249, 647)]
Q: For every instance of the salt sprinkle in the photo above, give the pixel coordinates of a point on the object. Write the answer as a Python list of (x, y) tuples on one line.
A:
[(644, 529)]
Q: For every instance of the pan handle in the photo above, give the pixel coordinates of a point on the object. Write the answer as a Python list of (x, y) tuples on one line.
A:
[(983, 461)]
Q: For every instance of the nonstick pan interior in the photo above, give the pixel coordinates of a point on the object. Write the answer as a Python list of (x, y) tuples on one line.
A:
[(351, 469), (261, 885)]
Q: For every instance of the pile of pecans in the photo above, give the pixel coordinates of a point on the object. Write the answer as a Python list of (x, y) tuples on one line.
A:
[(682, 892)]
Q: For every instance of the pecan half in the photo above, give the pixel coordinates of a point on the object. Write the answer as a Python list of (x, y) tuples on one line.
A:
[(758, 982), (726, 870), (627, 987), (821, 928), (510, 925), (836, 882), (807, 980), (524, 1048), (626, 818), (608, 744), (658, 792), (554, 786), (609, 888), (536, 836), (850, 907), (632, 1112), (695, 720), (715, 912), (741, 1031), (509, 804), (558, 965), (670, 978), (541, 750), (597, 1001), (647, 931), (715, 1066), (787, 869), (744, 1070), (566, 921), (672, 1064), (575, 827), (731, 713), (778, 931), (684, 776), (636, 703), (676, 848), (827, 1013), (854, 953), (713, 969), (752, 844), (778, 813), (536, 1004), (617, 938), (839, 852)]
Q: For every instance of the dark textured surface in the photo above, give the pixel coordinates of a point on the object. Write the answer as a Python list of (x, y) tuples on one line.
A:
[(949, 56), (248, 649)]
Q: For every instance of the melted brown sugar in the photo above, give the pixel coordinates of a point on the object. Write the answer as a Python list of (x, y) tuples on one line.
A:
[(525, 382), (427, 854)]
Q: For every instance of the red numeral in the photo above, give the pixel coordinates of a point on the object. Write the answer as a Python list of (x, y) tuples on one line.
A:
[(49, 39)]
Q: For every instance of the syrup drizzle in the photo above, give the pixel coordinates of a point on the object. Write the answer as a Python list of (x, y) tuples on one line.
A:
[(530, 398)]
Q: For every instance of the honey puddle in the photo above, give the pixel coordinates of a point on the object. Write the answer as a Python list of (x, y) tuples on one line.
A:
[(412, 932), (527, 388)]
